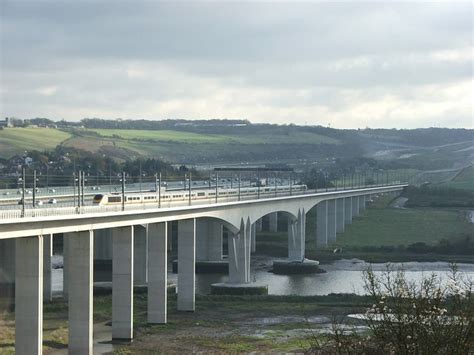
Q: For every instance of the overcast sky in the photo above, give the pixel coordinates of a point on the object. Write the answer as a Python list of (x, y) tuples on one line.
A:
[(344, 64)]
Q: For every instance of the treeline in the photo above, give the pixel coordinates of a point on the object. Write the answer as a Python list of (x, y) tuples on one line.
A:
[(457, 245), (361, 169), (175, 124), (57, 167)]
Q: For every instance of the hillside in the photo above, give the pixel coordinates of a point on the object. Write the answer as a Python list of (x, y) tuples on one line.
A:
[(15, 141), (226, 141)]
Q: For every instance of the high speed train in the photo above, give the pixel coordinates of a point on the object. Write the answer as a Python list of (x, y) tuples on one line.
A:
[(180, 196)]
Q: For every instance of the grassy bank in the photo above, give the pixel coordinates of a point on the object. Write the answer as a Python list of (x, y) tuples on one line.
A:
[(383, 233), (17, 140), (220, 323)]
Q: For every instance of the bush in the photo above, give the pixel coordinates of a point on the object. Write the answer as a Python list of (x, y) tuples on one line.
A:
[(428, 317)]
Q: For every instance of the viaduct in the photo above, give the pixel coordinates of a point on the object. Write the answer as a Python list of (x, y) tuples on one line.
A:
[(200, 229)]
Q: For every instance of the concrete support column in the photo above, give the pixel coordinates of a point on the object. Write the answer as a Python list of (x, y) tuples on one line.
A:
[(239, 254), (208, 239), (340, 217), (273, 222), (253, 237), (65, 265), (361, 203), (80, 302), (296, 237), (186, 265), (322, 224), (348, 210), (332, 221), (7, 271), (47, 266), (140, 259), (122, 283), (29, 296), (170, 236), (259, 225), (158, 273), (103, 244), (355, 206)]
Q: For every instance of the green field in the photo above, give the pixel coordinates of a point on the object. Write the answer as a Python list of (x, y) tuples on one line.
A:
[(464, 180), (159, 136), (189, 137), (17, 140), (381, 234), (386, 226)]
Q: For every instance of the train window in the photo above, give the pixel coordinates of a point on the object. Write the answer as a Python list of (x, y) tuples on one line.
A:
[(201, 193), (115, 199)]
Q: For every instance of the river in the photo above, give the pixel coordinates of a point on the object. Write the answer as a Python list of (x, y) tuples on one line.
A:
[(343, 276)]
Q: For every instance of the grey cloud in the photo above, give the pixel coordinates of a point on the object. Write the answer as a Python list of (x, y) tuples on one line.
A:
[(191, 51)]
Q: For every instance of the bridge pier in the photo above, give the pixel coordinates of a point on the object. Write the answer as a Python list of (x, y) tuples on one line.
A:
[(208, 239), (331, 221), (259, 225), (158, 273), (273, 222), (253, 237), (361, 203), (65, 265), (47, 266), (7, 271), (169, 233), (239, 255), (186, 264), (296, 237), (122, 283), (348, 210), (80, 301), (140, 259), (322, 224), (355, 206), (29, 295), (340, 217)]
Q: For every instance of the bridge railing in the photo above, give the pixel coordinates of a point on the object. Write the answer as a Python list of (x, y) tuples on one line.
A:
[(94, 209)]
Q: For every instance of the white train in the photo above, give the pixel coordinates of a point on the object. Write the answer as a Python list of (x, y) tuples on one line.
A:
[(201, 194)]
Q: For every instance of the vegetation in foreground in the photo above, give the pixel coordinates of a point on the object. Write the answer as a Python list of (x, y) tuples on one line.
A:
[(401, 317), (220, 324), (424, 317)]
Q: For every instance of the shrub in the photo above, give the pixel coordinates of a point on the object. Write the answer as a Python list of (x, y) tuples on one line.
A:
[(424, 317)]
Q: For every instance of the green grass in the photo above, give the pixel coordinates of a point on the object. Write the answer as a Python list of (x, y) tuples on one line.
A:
[(463, 180), (380, 234), (17, 140), (386, 226), (194, 138), (163, 136)]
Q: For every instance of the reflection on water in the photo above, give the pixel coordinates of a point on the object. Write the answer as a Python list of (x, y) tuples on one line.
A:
[(343, 276)]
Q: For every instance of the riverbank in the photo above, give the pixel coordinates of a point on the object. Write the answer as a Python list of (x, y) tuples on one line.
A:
[(220, 324), (383, 233)]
